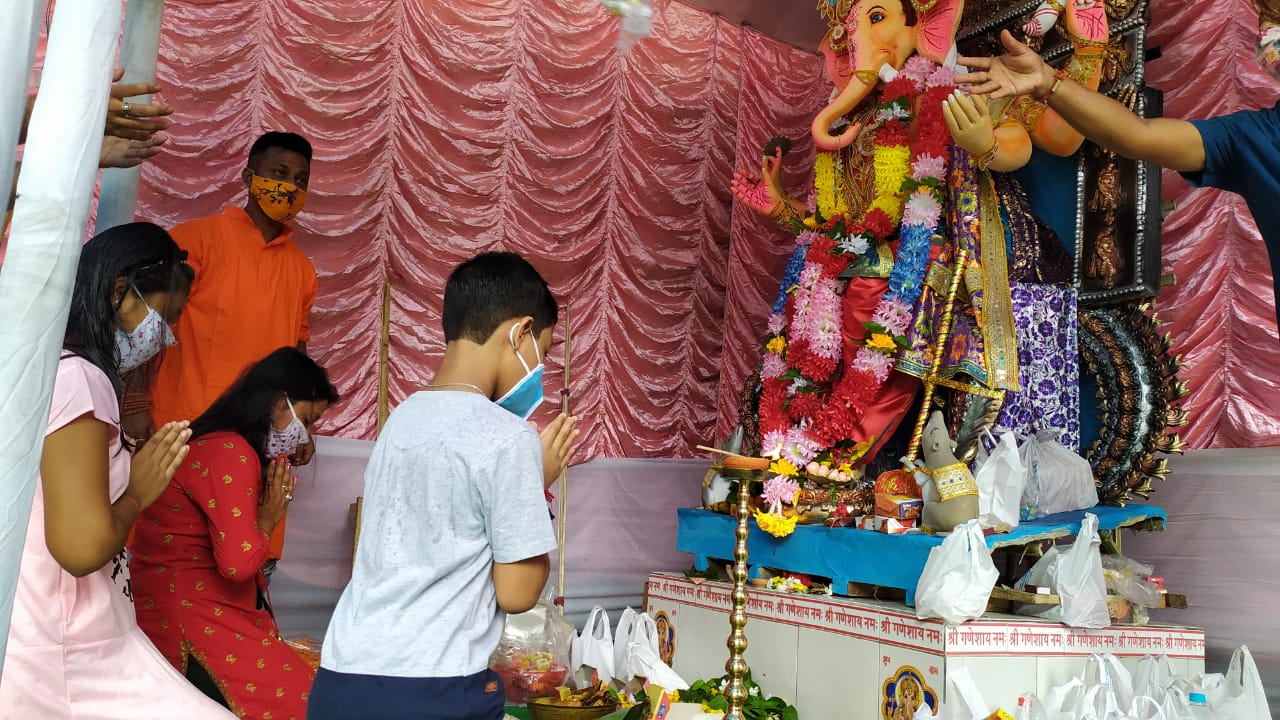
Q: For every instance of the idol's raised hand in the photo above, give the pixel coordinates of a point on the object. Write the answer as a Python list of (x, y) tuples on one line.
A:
[(969, 122)]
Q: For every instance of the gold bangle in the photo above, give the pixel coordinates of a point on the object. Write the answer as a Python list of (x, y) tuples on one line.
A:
[(984, 160), (785, 212)]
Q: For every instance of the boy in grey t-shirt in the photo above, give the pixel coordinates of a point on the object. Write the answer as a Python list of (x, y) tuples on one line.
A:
[(455, 529)]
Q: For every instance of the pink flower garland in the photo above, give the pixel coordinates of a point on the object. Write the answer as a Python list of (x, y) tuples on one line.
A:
[(779, 490), (818, 313)]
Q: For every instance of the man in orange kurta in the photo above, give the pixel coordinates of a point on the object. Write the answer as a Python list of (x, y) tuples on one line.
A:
[(253, 291)]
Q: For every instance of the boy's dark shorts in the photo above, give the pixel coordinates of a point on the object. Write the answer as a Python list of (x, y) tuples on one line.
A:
[(342, 696)]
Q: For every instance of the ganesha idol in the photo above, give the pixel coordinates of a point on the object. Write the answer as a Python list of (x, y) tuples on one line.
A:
[(908, 245)]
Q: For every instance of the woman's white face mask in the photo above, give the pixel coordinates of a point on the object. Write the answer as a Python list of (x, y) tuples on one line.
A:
[(151, 336)]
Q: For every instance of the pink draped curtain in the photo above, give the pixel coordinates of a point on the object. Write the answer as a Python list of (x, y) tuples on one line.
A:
[(444, 129), (1222, 311)]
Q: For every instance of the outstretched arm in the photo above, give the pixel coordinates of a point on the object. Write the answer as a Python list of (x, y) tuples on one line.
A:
[(1175, 144)]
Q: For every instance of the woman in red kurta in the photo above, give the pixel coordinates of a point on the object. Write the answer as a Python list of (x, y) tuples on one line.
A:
[(198, 588)]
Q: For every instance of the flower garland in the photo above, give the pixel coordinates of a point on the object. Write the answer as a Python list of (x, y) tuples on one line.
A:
[(814, 379), (831, 202)]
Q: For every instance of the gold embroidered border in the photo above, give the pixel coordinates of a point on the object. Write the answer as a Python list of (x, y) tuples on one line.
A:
[(996, 314), (953, 481), (973, 388)]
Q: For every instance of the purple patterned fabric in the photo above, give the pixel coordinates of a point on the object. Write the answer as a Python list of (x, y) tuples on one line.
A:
[(1048, 361)]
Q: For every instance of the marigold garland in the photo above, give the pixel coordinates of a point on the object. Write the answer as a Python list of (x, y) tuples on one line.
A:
[(825, 172)]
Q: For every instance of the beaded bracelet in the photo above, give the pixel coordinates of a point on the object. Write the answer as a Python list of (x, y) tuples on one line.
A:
[(1057, 83)]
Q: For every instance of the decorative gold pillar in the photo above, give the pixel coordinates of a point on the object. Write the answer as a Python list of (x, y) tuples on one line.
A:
[(745, 469), (944, 334)]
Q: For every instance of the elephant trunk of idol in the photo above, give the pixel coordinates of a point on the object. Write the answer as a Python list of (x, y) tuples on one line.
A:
[(860, 84)]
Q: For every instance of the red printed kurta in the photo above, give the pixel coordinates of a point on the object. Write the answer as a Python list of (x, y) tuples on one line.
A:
[(196, 565)]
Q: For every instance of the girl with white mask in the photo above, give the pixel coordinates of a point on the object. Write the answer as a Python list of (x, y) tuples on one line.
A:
[(74, 647)]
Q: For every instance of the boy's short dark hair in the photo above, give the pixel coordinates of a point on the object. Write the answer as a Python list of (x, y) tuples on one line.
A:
[(490, 289), (283, 140)]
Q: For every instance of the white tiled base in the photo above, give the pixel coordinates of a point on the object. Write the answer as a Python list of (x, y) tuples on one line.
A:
[(834, 658)]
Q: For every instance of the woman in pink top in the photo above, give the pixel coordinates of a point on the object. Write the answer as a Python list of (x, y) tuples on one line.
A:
[(75, 650)]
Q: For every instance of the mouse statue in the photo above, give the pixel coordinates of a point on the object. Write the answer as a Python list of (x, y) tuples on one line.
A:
[(957, 491)]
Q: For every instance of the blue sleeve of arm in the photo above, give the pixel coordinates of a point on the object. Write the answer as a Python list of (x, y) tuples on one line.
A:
[(1236, 147)]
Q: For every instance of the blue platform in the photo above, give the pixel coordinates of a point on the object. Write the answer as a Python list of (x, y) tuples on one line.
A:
[(863, 556)]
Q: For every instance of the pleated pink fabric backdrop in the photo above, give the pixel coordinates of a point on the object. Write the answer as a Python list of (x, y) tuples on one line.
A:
[(445, 128), (1222, 311)]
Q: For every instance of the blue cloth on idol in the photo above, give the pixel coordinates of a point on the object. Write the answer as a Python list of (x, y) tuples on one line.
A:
[(1242, 155)]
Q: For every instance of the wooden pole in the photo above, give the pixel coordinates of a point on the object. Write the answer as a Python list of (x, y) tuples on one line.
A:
[(384, 354), (563, 501)]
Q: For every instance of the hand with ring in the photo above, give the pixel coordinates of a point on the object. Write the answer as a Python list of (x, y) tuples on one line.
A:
[(277, 493), (134, 121)]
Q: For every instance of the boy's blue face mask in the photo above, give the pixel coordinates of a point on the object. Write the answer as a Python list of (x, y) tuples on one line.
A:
[(525, 396)]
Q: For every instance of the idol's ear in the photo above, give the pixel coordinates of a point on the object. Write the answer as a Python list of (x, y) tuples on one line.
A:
[(936, 27), (836, 61)]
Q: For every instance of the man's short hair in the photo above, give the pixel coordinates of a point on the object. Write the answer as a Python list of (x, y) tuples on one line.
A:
[(490, 289), (292, 142)]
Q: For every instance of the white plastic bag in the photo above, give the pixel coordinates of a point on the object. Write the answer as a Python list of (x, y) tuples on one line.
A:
[(1001, 478), (1075, 576), (1153, 671), (1060, 701), (1058, 480), (644, 662), (964, 700), (622, 633), (1106, 671), (1105, 692), (593, 650), (957, 578), (633, 627), (1239, 695)]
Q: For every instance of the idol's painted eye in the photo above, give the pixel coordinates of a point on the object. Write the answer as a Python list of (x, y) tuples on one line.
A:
[(877, 17)]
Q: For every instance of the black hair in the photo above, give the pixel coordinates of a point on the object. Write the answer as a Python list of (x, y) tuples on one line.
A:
[(292, 142), (490, 289), (148, 259), (245, 408), (909, 17)]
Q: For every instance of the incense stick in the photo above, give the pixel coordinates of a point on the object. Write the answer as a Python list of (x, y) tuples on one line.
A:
[(718, 451), (563, 500)]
